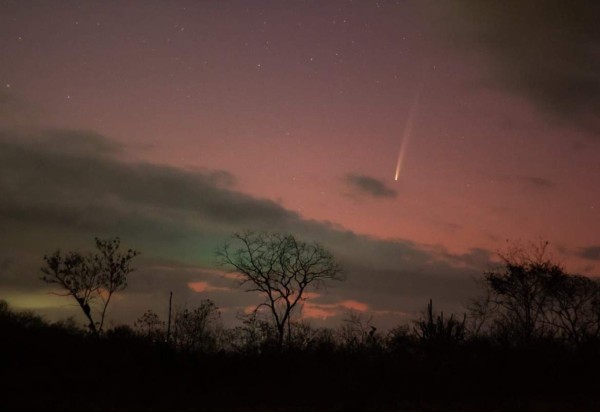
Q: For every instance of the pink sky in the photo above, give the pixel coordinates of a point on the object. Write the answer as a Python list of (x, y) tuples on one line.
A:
[(294, 99)]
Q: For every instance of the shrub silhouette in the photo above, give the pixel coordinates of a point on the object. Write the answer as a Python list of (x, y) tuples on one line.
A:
[(530, 298)]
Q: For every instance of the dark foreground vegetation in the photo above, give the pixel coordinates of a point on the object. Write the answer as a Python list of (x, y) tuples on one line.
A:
[(531, 341), (59, 367)]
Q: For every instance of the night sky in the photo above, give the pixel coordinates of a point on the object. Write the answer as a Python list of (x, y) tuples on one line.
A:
[(174, 124)]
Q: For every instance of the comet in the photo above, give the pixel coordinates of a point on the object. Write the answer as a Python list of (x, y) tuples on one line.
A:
[(407, 132)]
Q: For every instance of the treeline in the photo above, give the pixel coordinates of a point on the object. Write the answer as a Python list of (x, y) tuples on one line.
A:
[(429, 365), (529, 341), (530, 297), (526, 300)]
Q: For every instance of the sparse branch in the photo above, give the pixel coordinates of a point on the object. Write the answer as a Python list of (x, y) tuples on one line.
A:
[(534, 297), (92, 277), (280, 267)]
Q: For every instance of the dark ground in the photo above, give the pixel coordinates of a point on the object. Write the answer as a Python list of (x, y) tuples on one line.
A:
[(54, 368)]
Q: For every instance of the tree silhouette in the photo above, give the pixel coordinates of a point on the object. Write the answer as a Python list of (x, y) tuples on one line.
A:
[(281, 268), (91, 279), (575, 308), (254, 335), (150, 326), (522, 290), (481, 310), (357, 331), (194, 330), (530, 296)]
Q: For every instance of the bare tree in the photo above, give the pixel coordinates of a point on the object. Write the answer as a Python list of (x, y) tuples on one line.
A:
[(253, 336), (480, 313), (91, 279), (357, 330), (574, 308), (522, 291), (195, 330), (530, 296), (150, 326), (281, 268)]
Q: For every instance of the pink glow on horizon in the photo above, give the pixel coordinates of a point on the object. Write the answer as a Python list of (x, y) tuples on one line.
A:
[(328, 310), (318, 312), (354, 305), (201, 286)]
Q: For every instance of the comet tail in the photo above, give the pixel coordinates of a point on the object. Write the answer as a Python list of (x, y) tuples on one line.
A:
[(406, 135)]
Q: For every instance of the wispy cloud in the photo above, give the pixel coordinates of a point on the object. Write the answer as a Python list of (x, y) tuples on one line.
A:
[(589, 252)]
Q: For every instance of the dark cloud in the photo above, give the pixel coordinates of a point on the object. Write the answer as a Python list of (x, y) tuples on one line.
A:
[(60, 189), (76, 143), (362, 185), (589, 252), (474, 258), (75, 177), (546, 51)]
